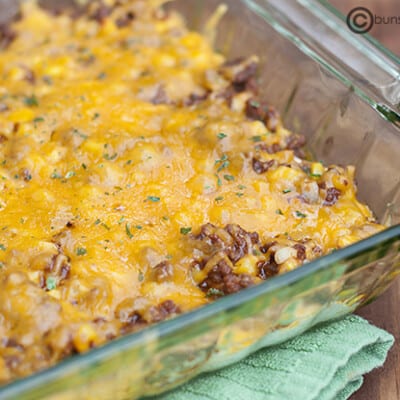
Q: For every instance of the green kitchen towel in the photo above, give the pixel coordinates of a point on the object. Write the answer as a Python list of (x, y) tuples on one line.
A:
[(326, 363)]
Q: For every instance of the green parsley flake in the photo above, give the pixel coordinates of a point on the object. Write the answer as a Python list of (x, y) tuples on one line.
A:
[(229, 178), (286, 191), (110, 158), (185, 231), (223, 166), (255, 103), (55, 175), (219, 181), (51, 283), (221, 136), (70, 174), (128, 230), (300, 214), (81, 251), (2, 247), (154, 199), (105, 226), (219, 198), (31, 101), (80, 134), (212, 292), (223, 163), (279, 211)]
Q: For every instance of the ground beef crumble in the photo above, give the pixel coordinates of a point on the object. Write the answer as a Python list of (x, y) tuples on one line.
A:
[(224, 248), (260, 167), (224, 281), (267, 268), (332, 196)]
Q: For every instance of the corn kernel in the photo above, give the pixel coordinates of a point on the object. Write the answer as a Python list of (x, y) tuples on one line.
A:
[(288, 265), (317, 169), (247, 265), (55, 294), (22, 115), (16, 74), (85, 337), (284, 173), (347, 240)]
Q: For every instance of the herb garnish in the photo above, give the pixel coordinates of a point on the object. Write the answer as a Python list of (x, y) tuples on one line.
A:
[(109, 157), (221, 136), (70, 174), (81, 251), (256, 139), (31, 101), (212, 292), (255, 103), (185, 231), (128, 230), (51, 283), (79, 133), (223, 163), (154, 199), (300, 214), (219, 181)]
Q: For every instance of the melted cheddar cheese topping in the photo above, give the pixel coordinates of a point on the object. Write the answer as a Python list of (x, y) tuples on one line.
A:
[(141, 177)]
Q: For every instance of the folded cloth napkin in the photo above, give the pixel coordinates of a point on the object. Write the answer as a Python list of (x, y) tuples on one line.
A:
[(326, 363)]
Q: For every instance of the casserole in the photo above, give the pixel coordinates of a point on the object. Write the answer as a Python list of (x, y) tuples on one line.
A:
[(280, 311)]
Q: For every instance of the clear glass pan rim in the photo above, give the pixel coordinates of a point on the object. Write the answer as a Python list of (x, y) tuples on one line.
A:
[(168, 327)]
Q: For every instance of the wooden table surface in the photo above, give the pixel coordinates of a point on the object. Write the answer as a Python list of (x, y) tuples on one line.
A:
[(384, 383)]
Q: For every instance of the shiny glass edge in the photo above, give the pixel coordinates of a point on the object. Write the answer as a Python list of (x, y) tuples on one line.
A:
[(167, 328)]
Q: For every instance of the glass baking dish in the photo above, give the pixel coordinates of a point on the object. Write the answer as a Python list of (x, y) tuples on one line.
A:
[(343, 92)]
